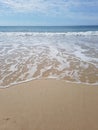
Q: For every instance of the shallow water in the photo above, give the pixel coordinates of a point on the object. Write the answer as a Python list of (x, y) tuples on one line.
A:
[(71, 56)]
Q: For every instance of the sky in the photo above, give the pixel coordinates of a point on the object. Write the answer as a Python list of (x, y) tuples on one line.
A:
[(48, 12)]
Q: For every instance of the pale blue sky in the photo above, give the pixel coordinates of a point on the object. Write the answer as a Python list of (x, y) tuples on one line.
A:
[(48, 12)]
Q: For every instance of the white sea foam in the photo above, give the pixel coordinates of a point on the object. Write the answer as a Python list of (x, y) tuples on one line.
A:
[(71, 56)]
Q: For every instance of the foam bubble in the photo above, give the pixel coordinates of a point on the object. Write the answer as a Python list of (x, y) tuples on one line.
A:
[(71, 56)]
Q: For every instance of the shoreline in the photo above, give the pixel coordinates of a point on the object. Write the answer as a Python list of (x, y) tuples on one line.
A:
[(49, 105), (62, 80)]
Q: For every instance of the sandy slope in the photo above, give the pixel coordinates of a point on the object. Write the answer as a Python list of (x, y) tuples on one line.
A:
[(49, 105)]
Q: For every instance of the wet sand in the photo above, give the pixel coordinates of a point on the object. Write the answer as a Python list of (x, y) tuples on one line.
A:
[(49, 105)]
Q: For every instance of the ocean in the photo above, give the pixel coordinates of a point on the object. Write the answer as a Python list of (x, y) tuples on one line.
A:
[(67, 53), (48, 28)]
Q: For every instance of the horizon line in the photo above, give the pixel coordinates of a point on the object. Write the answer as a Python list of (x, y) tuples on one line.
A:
[(43, 25)]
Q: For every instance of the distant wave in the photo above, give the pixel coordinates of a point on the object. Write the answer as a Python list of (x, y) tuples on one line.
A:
[(51, 33)]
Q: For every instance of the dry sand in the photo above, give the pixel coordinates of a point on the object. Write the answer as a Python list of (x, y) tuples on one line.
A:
[(49, 105)]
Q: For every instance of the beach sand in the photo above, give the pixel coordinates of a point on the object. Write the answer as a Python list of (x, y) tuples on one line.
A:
[(49, 105)]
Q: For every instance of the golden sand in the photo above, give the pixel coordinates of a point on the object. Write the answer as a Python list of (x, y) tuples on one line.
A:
[(49, 105)]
